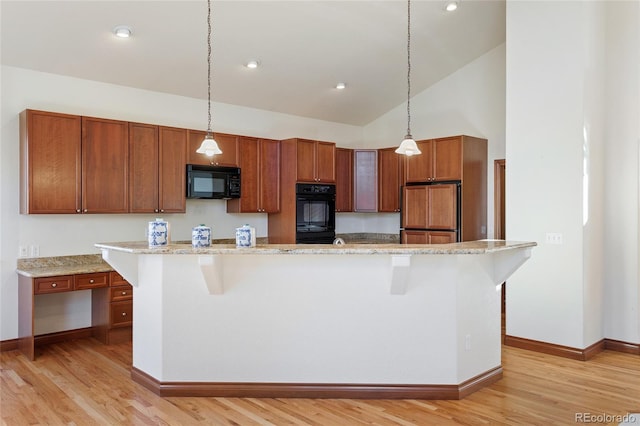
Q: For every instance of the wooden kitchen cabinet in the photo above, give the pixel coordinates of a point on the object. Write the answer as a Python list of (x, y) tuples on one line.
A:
[(315, 161), (427, 237), (390, 179), (157, 169), (105, 166), (104, 316), (441, 160), (259, 161), (228, 145), (365, 180), (50, 168), (344, 180), (112, 311), (430, 206)]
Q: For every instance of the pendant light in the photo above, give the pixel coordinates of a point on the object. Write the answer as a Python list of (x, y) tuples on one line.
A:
[(408, 146), (209, 146)]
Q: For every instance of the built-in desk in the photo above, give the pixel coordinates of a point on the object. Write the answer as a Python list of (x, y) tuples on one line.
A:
[(348, 321), (111, 298)]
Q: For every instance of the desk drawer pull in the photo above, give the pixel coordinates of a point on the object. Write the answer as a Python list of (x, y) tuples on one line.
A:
[(54, 285), (91, 281), (124, 314), (124, 293)]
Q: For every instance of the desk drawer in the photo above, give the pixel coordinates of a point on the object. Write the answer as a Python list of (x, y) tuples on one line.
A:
[(123, 292), (115, 279), (53, 284), (86, 281), (121, 313)]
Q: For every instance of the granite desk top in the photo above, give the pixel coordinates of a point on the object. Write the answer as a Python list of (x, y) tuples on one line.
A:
[(469, 247), (38, 267)]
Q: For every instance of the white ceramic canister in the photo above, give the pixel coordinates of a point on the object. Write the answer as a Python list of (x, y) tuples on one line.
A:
[(158, 233), (246, 236), (201, 236)]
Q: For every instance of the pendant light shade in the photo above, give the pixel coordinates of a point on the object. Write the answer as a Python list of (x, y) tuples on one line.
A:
[(408, 146), (209, 146)]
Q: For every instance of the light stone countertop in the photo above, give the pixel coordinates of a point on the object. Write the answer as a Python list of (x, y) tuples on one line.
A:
[(38, 267), (469, 247)]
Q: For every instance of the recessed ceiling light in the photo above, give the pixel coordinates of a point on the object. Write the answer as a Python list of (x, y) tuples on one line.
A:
[(341, 86), (450, 6), (252, 64), (122, 31)]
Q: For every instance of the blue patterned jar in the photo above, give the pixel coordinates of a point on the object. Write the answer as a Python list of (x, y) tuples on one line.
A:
[(201, 236), (245, 236), (158, 233)]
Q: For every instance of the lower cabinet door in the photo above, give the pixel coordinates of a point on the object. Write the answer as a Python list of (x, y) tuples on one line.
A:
[(121, 314)]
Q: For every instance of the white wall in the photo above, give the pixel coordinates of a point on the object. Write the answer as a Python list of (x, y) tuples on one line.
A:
[(558, 135), (58, 235), (470, 101), (622, 199)]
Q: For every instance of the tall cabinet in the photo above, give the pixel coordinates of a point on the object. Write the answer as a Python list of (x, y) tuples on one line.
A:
[(303, 161), (445, 195)]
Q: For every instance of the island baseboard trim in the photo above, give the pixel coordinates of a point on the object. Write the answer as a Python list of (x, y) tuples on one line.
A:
[(316, 390), (557, 350)]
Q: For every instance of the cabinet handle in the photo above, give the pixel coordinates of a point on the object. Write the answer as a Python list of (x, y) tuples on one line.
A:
[(54, 285)]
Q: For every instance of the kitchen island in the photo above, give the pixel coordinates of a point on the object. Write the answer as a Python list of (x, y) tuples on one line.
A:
[(345, 321)]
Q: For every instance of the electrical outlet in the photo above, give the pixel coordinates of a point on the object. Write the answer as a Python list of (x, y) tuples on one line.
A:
[(554, 238), (23, 252), (34, 251)]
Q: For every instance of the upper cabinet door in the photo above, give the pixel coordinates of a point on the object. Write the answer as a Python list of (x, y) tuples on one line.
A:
[(365, 185), (326, 162), (306, 160), (228, 144), (269, 168), (447, 159), (389, 179), (419, 168), (105, 169), (344, 180), (172, 170), (51, 162), (143, 168)]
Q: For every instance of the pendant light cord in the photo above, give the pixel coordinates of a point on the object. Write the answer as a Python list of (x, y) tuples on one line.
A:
[(409, 69), (209, 67)]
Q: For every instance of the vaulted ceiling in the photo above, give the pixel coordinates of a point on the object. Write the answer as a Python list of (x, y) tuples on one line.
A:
[(304, 48)]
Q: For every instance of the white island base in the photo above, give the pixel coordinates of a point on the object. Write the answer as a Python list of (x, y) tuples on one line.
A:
[(352, 321)]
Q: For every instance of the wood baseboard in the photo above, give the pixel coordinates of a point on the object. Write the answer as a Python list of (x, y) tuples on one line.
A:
[(315, 390), (569, 352), (619, 346), (8, 345)]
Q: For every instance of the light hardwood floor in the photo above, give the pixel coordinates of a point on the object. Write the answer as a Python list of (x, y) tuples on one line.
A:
[(83, 382)]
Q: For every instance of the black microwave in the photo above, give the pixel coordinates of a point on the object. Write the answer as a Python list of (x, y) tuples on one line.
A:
[(214, 182)]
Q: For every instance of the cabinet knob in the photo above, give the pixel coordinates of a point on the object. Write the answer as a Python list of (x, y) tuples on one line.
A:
[(124, 293), (161, 210), (54, 285), (155, 210), (78, 210), (85, 210), (124, 314), (91, 281)]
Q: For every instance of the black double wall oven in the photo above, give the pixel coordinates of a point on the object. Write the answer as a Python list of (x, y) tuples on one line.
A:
[(315, 213)]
